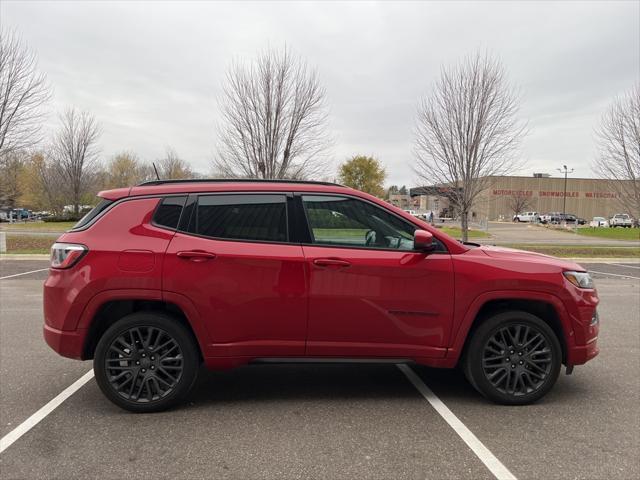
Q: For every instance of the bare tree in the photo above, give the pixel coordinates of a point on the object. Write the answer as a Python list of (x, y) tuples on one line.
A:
[(171, 166), (619, 150), (518, 203), (274, 120), (75, 151), (467, 130), (23, 91)]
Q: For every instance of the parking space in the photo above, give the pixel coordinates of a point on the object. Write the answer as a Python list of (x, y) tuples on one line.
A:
[(613, 270), (320, 421)]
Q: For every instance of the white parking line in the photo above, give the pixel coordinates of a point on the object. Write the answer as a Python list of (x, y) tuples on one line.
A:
[(33, 420), (625, 266), (614, 274), (483, 453), (24, 273)]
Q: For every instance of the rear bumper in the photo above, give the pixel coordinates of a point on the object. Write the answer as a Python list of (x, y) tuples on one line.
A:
[(66, 343)]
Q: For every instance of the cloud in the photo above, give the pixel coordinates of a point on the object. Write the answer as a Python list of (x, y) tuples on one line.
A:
[(151, 71)]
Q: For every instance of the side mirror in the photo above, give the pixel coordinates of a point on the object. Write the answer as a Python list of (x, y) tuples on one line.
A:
[(423, 241)]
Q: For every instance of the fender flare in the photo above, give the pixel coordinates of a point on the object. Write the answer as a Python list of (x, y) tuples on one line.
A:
[(193, 317), (182, 302), (455, 350)]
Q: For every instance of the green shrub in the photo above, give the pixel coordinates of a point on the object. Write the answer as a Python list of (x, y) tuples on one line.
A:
[(62, 218)]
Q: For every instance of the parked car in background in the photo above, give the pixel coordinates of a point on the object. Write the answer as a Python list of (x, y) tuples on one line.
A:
[(558, 217), (162, 277), (16, 215), (621, 220), (532, 217), (599, 222), (421, 216), (43, 214), (552, 217)]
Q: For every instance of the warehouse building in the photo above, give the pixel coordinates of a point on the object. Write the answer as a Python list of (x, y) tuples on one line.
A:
[(585, 197)]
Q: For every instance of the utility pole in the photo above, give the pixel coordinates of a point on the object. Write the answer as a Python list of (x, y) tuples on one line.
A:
[(564, 196)]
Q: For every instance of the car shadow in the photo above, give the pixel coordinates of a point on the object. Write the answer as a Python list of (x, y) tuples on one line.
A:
[(336, 382), (452, 386), (312, 382)]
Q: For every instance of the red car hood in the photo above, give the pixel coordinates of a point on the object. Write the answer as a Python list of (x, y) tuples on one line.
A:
[(523, 255)]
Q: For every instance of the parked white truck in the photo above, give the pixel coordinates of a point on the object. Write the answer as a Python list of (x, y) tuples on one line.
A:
[(532, 217), (621, 220)]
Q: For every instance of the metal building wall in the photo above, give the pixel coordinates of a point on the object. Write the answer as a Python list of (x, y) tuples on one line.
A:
[(586, 197)]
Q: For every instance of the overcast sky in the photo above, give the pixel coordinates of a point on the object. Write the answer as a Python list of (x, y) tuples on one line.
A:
[(151, 72)]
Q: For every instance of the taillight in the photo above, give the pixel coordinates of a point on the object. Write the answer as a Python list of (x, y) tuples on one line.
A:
[(66, 255)]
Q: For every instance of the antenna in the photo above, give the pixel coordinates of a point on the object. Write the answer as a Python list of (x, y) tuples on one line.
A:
[(155, 170)]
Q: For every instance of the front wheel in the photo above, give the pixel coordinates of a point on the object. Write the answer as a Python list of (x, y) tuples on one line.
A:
[(146, 362), (513, 358)]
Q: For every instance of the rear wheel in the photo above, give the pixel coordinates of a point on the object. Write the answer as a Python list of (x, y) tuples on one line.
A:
[(146, 362), (513, 358)]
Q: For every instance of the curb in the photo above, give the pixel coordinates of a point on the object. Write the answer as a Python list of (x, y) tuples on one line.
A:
[(24, 256)]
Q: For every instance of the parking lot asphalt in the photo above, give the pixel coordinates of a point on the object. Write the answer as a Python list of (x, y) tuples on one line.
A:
[(319, 421)]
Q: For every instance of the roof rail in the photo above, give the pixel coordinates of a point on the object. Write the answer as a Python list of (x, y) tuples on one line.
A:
[(232, 180)]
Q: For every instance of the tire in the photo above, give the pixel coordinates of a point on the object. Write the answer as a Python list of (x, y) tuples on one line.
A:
[(493, 373), (146, 362)]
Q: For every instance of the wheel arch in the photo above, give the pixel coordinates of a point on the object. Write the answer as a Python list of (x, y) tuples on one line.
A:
[(545, 306), (110, 311)]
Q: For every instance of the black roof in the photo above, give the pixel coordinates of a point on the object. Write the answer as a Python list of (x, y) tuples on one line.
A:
[(233, 180)]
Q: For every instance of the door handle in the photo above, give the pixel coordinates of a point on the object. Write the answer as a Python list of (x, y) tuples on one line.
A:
[(331, 262), (196, 256)]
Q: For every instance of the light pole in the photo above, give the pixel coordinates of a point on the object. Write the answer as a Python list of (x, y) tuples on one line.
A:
[(564, 195)]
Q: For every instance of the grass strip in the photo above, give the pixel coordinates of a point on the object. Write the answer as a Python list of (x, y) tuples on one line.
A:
[(29, 243), (611, 233), (37, 226)]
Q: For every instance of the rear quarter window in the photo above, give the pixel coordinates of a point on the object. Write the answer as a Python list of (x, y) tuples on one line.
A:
[(93, 213), (167, 214)]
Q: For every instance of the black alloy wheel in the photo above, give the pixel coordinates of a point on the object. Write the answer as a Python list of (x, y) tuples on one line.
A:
[(517, 359), (513, 358), (146, 362)]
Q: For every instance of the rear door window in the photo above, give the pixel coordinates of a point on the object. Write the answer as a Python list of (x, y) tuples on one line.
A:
[(250, 217)]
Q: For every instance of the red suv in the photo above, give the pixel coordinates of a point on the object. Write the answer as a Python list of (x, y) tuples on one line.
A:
[(161, 277)]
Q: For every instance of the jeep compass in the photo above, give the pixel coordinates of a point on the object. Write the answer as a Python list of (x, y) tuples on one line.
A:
[(164, 276)]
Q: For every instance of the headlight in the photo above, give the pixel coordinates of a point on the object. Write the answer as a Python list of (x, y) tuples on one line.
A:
[(579, 279)]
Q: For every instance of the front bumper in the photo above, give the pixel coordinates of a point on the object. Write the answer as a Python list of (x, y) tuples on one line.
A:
[(66, 343), (580, 354)]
